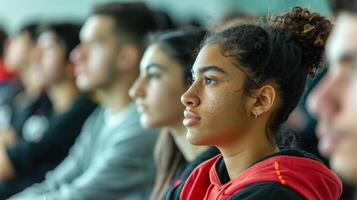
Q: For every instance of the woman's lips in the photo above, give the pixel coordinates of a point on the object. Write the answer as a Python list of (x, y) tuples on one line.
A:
[(191, 119)]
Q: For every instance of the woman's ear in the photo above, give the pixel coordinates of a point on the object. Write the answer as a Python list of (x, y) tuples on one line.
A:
[(128, 57), (265, 98)]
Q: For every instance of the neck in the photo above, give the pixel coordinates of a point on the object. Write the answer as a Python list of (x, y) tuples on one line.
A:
[(31, 90), (116, 96), (243, 152), (188, 150), (62, 95)]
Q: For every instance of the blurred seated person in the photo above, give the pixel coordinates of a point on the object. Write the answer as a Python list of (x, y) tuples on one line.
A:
[(45, 141), (113, 155), (333, 101), (25, 98), (8, 86)]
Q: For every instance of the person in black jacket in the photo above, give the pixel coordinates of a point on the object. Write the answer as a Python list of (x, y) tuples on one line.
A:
[(43, 141), (26, 98)]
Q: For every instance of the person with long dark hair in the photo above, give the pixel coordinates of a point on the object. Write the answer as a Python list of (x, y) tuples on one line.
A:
[(165, 75), (248, 78)]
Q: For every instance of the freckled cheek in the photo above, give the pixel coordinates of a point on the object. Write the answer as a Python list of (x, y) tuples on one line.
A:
[(210, 102), (218, 108), (230, 106), (215, 107)]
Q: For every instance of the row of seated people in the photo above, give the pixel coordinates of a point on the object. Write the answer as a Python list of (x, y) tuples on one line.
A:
[(220, 98)]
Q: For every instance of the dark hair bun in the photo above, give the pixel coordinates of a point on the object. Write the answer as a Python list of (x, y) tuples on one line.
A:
[(308, 29)]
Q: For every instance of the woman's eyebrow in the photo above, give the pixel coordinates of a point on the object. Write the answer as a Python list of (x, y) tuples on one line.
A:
[(204, 69), (154, 65)]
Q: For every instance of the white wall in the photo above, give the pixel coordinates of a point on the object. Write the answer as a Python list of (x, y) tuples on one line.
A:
[(15, 12)]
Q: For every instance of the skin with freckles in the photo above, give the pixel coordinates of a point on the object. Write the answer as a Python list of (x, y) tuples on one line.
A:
[(247, 80), (219, 112), (218, 93)]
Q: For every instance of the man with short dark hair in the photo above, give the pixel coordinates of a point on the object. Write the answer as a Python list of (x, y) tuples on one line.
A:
[(334, 100), (113, 156)]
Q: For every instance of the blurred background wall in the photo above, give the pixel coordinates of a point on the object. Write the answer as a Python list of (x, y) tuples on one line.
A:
[(13, 13)]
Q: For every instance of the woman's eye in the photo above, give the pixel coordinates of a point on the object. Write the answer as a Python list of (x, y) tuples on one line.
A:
[(153, 76), (209, 81)]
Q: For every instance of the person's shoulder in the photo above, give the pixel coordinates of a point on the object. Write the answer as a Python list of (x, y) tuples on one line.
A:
[(95, 118), (83, 103), (292, 152), (266, 191), (97, 113)]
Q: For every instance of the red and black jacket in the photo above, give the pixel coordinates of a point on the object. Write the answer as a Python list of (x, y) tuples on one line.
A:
[(184, 172), (288, 174)]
